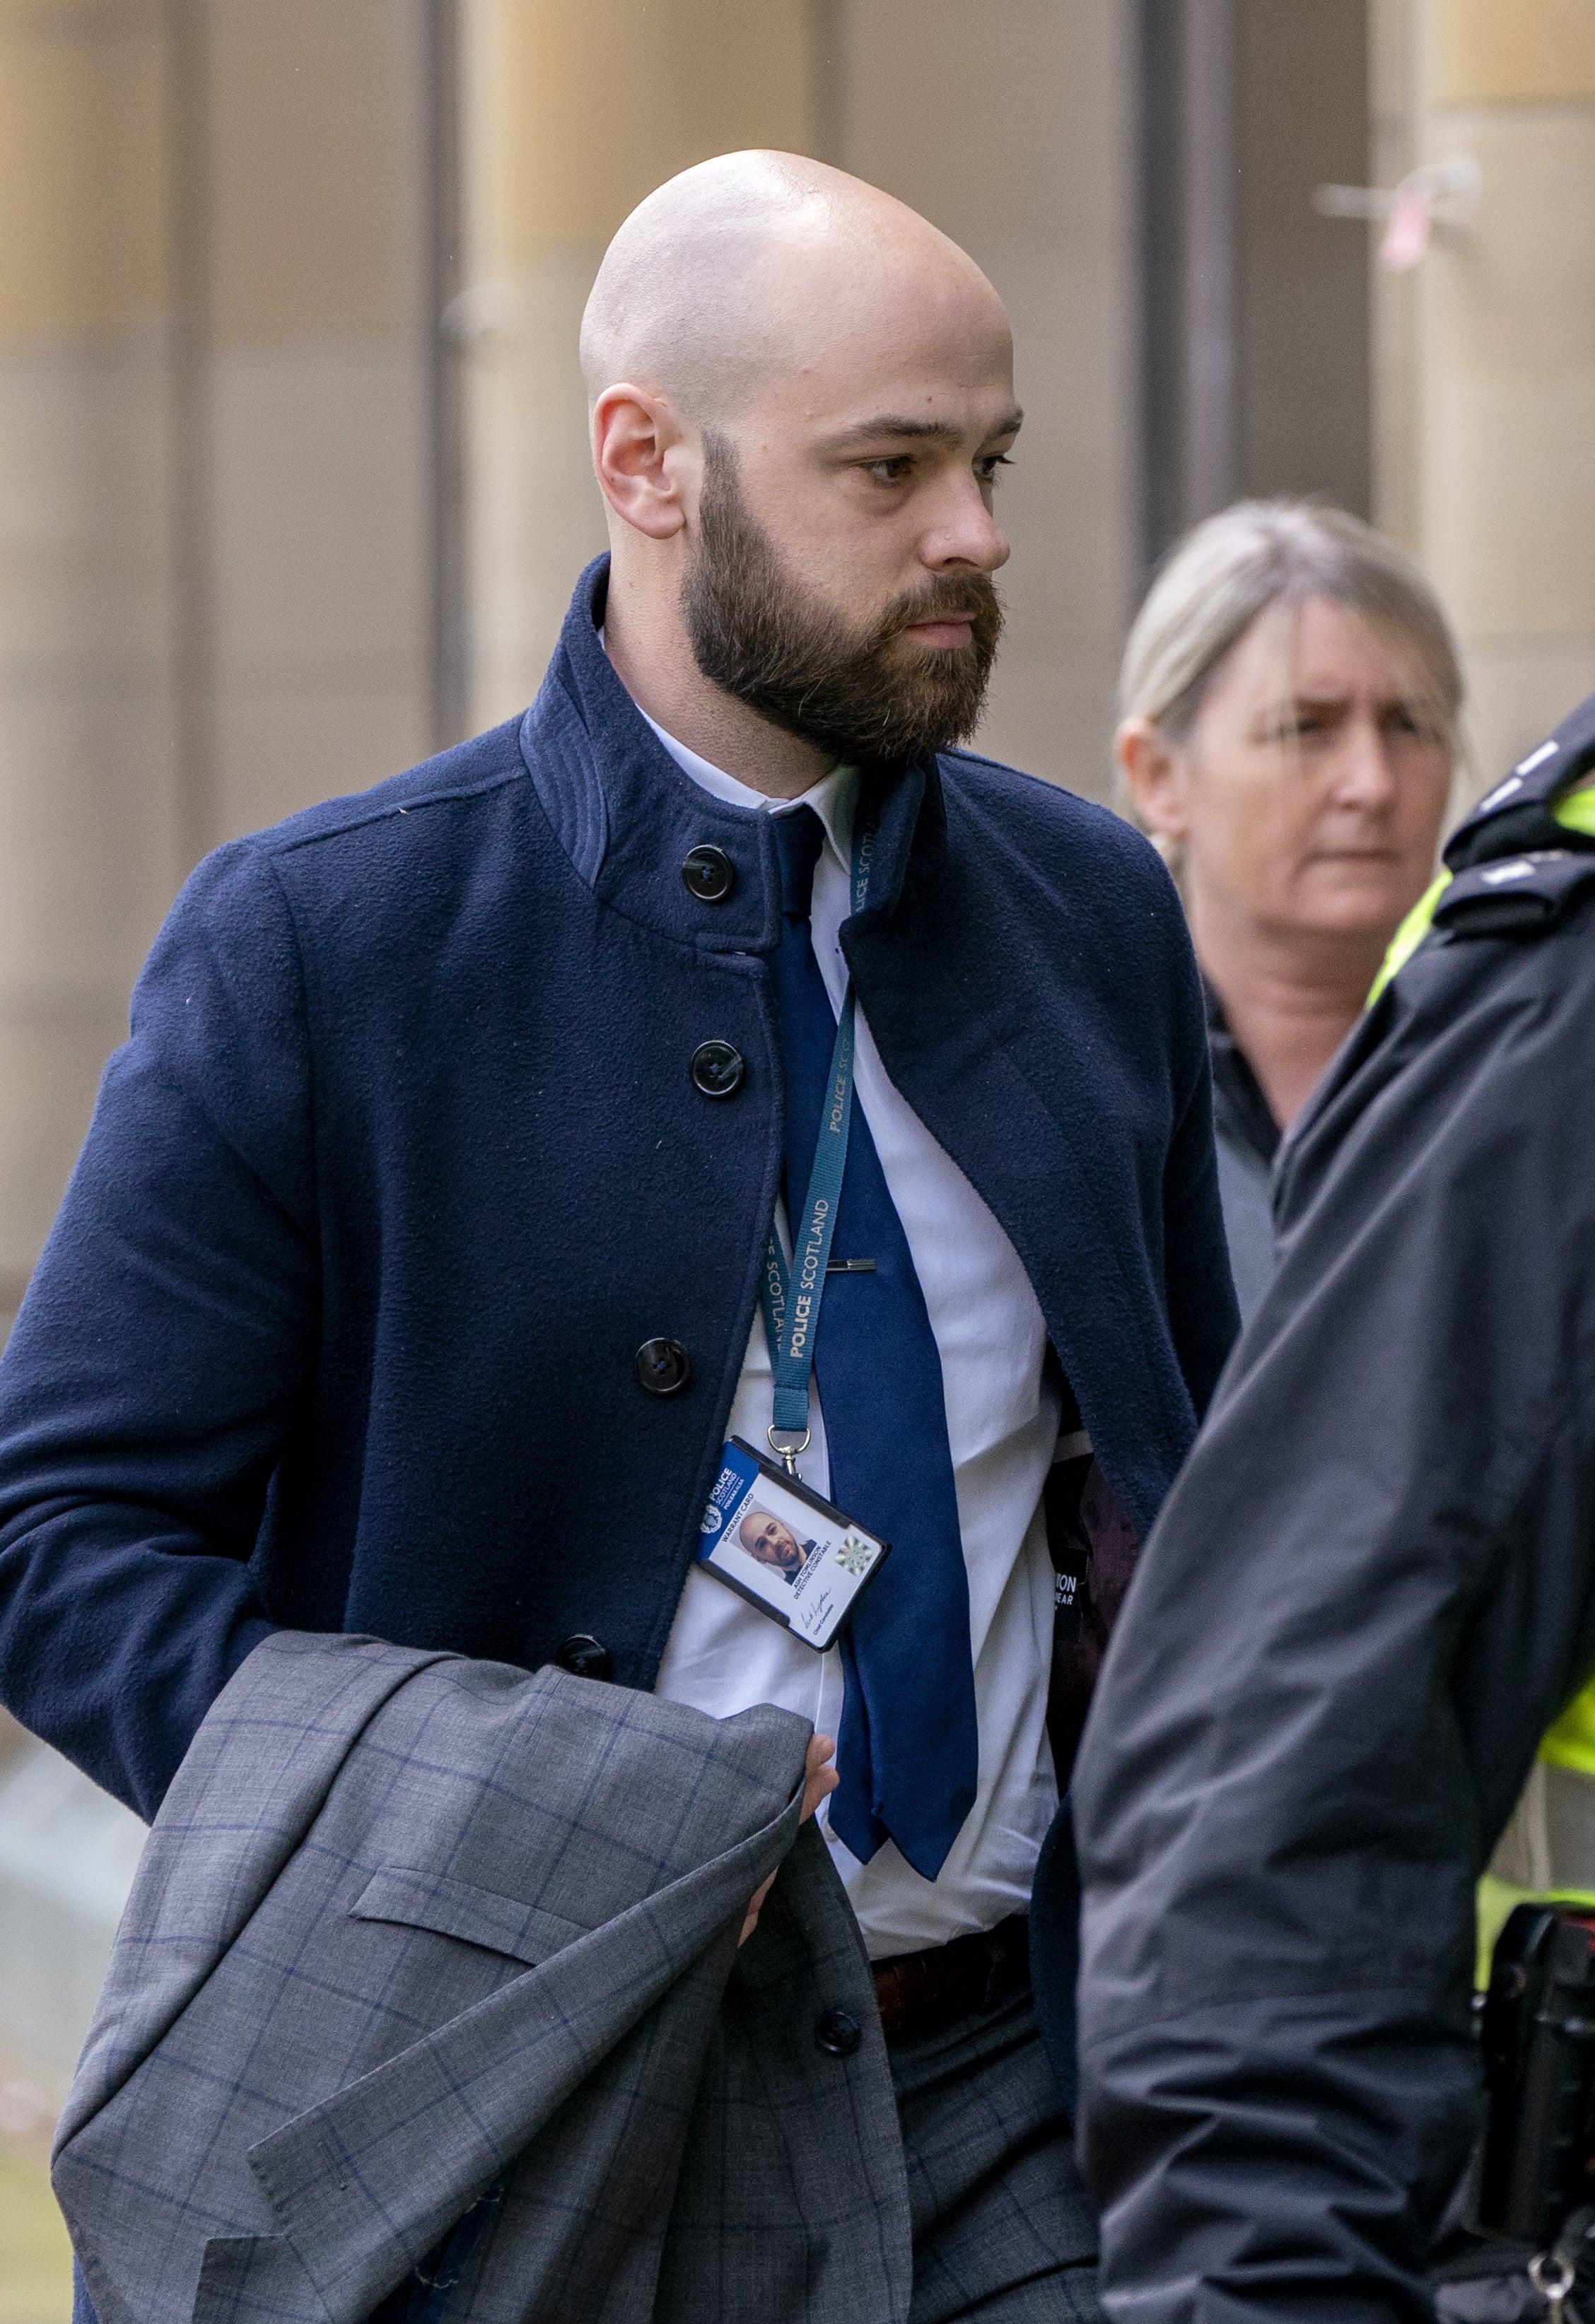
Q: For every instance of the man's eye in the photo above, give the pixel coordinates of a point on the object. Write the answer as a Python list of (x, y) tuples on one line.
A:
[(891, 471), (987, 469)]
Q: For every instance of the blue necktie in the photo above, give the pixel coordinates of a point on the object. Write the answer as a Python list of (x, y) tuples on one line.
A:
[(908, 1753)]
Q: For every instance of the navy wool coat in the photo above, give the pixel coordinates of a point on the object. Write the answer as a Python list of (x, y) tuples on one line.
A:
[(403, 1162)]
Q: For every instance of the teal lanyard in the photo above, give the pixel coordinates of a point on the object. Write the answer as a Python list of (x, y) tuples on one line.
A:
[(791, 1296)]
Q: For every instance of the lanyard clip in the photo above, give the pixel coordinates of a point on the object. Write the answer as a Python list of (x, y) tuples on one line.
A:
[(787, 1453)]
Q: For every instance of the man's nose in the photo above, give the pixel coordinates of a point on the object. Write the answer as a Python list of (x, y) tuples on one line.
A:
[(964, 534)]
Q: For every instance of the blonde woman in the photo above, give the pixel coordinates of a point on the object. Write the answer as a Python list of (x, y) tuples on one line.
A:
[(1289, 701)]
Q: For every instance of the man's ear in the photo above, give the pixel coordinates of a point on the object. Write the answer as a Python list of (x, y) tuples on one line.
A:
[(1152, 767), (637, 444)]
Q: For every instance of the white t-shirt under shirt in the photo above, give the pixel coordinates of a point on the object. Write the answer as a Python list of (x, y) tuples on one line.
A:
[(1002, 1424)]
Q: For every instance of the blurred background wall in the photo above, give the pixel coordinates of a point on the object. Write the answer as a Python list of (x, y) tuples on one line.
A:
[(293, 480), (1483, 388)]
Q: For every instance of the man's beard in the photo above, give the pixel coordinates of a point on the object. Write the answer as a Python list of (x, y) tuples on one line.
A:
[(773, 642)]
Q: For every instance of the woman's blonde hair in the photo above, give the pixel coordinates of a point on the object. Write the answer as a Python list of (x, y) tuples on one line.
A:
[(1215, 582)]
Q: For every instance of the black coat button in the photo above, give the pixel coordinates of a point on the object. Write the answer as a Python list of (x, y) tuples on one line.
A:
[(709, 874), (584, 1657), (664, 1367), (837, 2033), (716, 1069)]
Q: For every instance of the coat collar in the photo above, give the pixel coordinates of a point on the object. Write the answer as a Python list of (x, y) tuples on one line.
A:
[(628, 816)]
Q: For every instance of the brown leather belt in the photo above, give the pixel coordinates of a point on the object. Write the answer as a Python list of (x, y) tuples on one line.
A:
[(925, 1993)]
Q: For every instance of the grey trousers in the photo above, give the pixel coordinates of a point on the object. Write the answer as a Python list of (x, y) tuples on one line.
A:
[(1003, 2229)]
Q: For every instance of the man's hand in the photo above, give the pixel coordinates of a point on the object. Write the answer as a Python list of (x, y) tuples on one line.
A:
[(819, 1780)]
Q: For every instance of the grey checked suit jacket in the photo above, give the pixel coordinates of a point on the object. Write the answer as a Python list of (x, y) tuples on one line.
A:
[(432, 1966)]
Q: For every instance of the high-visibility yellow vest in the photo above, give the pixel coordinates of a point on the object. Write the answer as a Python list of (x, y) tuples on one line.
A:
[(1547, 1850)]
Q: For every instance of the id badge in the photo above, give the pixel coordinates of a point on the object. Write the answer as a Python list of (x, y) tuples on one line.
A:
[(797, 1558)]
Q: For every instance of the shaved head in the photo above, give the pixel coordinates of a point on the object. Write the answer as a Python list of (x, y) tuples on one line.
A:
[(724, 273)]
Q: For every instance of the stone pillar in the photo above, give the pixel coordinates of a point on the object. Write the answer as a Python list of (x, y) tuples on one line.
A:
[(89, 847), (216, 463), (316, 380), (1486, 377), (1010, 126)]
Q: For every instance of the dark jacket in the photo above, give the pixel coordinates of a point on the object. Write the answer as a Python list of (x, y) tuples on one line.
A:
[(395, 1959), (1371, 1589), (339, 1327)]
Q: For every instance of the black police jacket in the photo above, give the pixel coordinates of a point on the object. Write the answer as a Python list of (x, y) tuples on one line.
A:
[(1371, 1589)]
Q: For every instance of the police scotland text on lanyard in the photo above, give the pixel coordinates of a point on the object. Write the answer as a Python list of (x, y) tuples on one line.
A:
[(791, 1296)]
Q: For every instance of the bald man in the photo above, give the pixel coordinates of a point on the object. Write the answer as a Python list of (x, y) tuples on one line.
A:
[(717, 1051)]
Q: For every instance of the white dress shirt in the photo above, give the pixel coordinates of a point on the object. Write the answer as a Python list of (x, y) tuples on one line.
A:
[(1001, 1426)]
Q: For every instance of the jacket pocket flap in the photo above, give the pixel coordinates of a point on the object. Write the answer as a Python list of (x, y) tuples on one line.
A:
[(457, 1908)]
